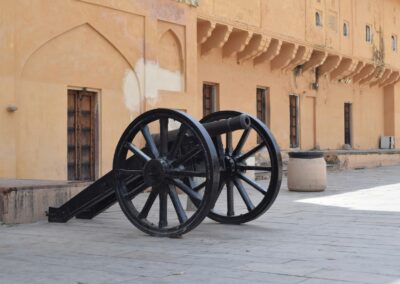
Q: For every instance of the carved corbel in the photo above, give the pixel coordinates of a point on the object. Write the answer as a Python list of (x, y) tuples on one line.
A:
[(286, 55), (383, 78), (331, 63), (366, 71), (317, 59), (217, 39), (303, 55), (257, 45), (237, 42), (359, 67), (204, 30), (392, 79), (377, 73), (272, 51), (345, 68)]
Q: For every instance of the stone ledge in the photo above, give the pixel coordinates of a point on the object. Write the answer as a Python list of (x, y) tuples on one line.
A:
[(361, 159), (355, 159), (26, 201)]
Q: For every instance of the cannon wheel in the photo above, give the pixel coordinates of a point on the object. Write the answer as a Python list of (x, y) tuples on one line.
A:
[(233, 177), (158, 171)]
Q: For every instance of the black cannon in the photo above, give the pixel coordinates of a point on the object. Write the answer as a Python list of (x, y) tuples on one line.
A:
[(182, 160)]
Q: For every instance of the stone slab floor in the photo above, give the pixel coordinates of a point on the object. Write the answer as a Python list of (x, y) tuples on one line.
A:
[(347, 234)]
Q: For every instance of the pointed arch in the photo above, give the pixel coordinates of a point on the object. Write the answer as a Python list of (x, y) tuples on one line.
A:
[(170, 62), (49, 40)]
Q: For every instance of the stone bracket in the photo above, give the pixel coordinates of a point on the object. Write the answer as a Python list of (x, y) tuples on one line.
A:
[(303, 55), (317, 59), (345, 68), (384, 76), (237, 42), (392, 79), (204, 30), (218, 38), (366, 71), (287, 54), (360, 65), (374, 75), (331, 63), (257, 45), (272, 51)]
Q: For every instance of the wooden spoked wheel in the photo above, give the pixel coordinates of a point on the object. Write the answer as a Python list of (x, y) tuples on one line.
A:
[(173, 143), (245, 156)]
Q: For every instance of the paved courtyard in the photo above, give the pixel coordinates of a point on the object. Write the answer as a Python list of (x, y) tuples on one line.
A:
[(347, 234)]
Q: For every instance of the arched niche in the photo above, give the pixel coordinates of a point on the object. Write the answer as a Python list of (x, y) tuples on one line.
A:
[(170, 75)]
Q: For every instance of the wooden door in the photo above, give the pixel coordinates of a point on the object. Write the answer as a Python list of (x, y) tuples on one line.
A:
[(347, 124), (210, 99), (81, 135), (294, 120)]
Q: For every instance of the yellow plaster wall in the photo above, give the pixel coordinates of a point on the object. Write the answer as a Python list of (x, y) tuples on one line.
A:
[(272, 19), (7, 83), (237, 90)]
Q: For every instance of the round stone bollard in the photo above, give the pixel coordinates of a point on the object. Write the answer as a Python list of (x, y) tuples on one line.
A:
[(306, 171)]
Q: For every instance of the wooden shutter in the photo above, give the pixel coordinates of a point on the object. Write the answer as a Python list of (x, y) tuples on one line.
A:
[(209, 99), (81, 135)]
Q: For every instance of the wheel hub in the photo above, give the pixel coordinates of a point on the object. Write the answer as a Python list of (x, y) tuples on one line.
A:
[(230, 165), (154, 172)]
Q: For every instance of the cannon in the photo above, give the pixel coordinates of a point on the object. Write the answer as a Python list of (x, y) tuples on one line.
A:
[(193, 168)]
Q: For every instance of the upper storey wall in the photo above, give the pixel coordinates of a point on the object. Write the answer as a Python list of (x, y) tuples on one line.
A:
[(295, 21)]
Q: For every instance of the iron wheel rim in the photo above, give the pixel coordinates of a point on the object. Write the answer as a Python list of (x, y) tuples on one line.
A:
[(275, 177), (120, 163)]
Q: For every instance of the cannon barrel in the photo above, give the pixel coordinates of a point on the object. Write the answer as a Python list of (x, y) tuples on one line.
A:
[(219, 127), (214, 128)]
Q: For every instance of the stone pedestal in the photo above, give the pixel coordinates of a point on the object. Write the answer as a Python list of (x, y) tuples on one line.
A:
[(306, 171)]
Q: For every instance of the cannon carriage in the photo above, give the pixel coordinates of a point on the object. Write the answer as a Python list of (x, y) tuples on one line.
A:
[(171, 171)]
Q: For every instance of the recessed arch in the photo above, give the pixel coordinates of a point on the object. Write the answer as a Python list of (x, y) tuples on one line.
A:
[(82, 56), (170, 62), (49, 40)]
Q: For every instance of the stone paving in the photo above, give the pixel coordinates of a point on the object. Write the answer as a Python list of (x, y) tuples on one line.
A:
[(347, 234)]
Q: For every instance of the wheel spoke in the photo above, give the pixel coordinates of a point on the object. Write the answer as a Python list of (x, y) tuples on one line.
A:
[(253, 168), (182, 173), (163, 218), (251, 183), (229, 194), (244, 194), (187, 157), (125, 172), (229, 146), (200, 186), (180, 212), (220, 148), (150, 141), (194, 195), (251, 152), (135, 191), (149, 203), (178, 142), (221, 186), (137, 152), (163, 136), (241, 142)]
